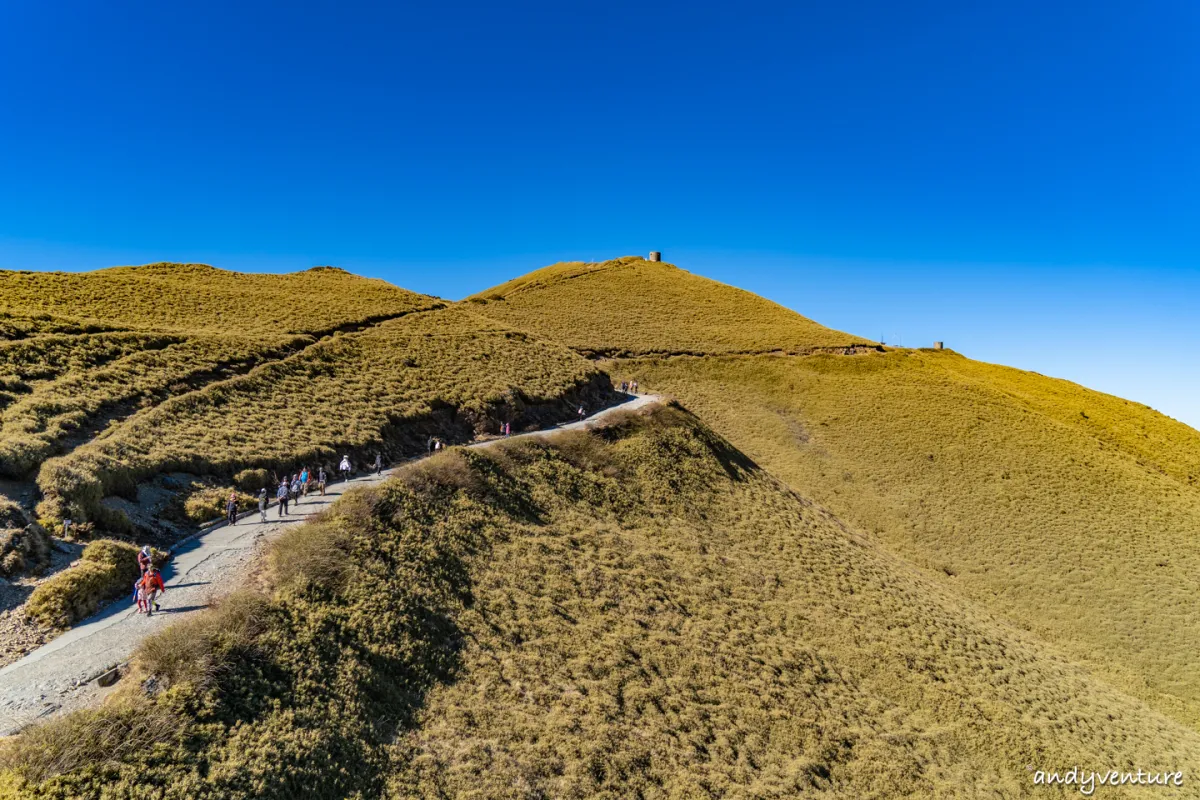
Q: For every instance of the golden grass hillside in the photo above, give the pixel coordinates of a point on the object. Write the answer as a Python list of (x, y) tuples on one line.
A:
[(195, 298), (630, 306), (636, 612), (80, 352), (1071, 513), (449, 373)]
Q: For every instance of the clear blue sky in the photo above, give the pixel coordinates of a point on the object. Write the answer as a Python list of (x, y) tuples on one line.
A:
[(1020, 179)]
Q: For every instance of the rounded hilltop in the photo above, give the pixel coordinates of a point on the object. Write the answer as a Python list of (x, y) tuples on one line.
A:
[(631, 306)]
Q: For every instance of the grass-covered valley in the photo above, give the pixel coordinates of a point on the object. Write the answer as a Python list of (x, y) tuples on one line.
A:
[(831, 568)]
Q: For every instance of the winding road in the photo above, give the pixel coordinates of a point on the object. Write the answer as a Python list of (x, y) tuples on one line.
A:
[(61, 674)]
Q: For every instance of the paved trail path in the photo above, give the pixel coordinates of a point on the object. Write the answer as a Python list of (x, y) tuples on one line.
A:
[(60, 675)]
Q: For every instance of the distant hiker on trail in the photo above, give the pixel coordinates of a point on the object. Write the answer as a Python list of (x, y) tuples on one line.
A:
[(624, 387), (296, 488), (321, 480), (432, 444), (378, 463), (344, 467), (304, 481), (231, 508), (144, 559), (262, 504), (152, 587), (581, 413), (281, 494), (633, 387)]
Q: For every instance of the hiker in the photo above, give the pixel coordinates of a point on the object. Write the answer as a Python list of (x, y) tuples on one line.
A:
[(378, 463), (344, 467), (321, 480), (624, 387), (432, 444), (296, 488), (144, 559), (139, 597), (437, 445), (581, 413), (231, 508), (281, 494), (304, 481), (262, 504), (152, 587)]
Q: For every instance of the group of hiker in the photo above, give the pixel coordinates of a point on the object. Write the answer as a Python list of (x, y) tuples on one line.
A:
[(629, 387), (291, 492), (149, 585)]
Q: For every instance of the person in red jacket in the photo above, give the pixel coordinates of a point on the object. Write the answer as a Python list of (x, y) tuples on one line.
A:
[(152, 587)]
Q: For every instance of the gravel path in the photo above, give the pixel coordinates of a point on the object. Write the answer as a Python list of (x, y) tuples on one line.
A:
[(61, 675)]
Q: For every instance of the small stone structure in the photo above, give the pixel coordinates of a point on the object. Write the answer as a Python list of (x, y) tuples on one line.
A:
[(655, 256), (937, 345)]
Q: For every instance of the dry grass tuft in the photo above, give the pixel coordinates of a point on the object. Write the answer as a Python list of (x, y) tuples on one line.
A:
[(199, 649), (122, 729)]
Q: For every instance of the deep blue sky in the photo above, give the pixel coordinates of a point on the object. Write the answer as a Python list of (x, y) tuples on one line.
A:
[(1020, 179)]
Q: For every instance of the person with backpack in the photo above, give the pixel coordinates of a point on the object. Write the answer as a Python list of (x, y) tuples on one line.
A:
[(321, 480), (144, 559), (262, 504), (344, 467), (581, 413), (304, 482), (378, 463), (152, 587), (296, 489), (281, 494), (231, 508)]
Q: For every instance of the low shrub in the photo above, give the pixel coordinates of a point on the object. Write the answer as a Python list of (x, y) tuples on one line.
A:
[(198, 649), (106, 570), (208, 504), (251, 480), (91, 738), (24, 550)]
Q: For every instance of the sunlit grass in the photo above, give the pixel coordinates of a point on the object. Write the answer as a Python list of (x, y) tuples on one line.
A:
[(629, 306), (546, 620)]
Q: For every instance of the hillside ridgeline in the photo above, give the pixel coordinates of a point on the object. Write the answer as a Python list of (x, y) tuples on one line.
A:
[(1070, 513)]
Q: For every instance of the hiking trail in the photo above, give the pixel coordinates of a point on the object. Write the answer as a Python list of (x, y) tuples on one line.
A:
[(61, 675)]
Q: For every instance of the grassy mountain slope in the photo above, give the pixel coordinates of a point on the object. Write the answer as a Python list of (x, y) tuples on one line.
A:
[(447, 372), (1071, 513), (196, 298), (81, 351), (635, 612), (629, 306), (114, 377)]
